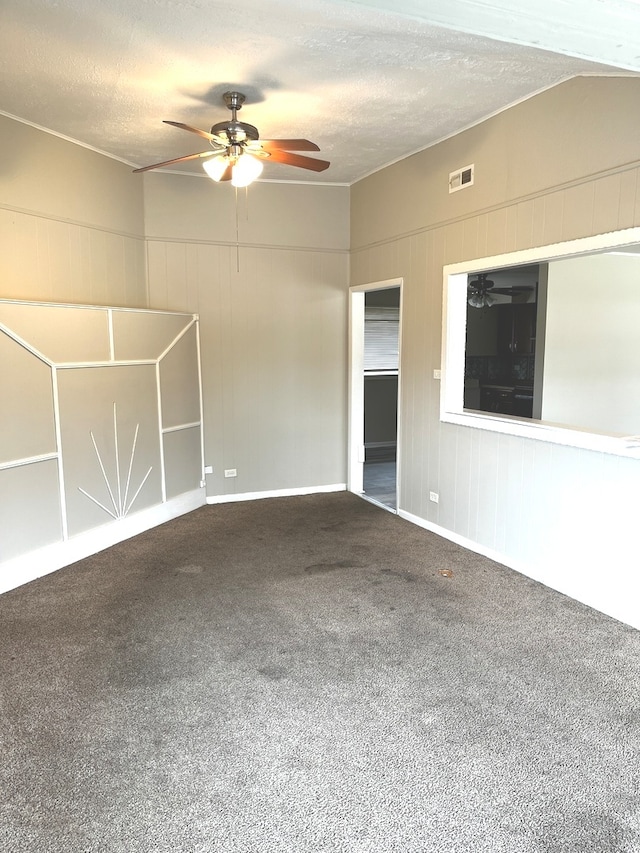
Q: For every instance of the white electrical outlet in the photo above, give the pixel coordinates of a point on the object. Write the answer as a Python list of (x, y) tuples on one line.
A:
[(208, 469), (230, 472), (434, 496), (437, 374)]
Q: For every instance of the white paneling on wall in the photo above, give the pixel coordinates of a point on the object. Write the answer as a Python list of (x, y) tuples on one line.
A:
[(561, 515), (100, 434), (71, 223), (273, 313), (45, 259)]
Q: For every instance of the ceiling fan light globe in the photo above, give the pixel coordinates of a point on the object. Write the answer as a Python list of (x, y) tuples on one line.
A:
[(480, 300), (246, 169), (216, 167)]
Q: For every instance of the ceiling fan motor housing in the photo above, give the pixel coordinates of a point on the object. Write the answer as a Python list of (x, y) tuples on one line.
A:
[(235, 131), (482, 283)]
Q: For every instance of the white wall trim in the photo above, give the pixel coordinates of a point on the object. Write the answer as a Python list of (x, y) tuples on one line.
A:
[(178, 337), (570, 590), (23, 343), (85, 365), (30, 460), (163, 472), (115, 308), (277, 493), (50, 558), (112, 345), (181, 427), (327, 250), (203, 479), (52, 217)]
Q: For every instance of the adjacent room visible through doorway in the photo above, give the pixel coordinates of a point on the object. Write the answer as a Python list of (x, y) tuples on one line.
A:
[(375, 336)]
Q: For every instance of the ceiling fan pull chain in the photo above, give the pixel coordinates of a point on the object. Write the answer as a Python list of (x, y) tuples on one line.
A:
[(237, 233)]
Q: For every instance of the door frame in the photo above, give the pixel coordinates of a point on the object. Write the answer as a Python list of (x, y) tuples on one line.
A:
[(355, 451)]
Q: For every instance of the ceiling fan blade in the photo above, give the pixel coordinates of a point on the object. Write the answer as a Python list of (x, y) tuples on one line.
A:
[(228, 173), (203, 133), (176, 160), (298, 160), (508, 291), (288, 145)]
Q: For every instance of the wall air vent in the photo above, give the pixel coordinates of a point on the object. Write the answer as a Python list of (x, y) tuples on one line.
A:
[(461, 178)]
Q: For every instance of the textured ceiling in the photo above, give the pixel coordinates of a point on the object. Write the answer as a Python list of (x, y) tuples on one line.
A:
[(370, 81)]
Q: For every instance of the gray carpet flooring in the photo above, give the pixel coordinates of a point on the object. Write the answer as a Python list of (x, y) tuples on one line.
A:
[(296, 675)]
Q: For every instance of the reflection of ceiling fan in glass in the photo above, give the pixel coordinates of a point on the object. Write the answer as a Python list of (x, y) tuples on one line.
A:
[(481, 290)]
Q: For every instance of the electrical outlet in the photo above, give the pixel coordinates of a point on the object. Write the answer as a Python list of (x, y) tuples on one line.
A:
[(208, 469), (230, 472), (437, 374), (434, 496)]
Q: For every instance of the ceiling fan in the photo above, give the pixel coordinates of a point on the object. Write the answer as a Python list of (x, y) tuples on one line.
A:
[(480, 291), (237, 151)]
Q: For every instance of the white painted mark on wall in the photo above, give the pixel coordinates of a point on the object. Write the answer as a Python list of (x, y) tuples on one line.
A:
[(120, 502)]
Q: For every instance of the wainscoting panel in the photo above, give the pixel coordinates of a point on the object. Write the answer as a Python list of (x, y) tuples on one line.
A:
[(30, 514), (110, 443), (27, 398), (84, 442)]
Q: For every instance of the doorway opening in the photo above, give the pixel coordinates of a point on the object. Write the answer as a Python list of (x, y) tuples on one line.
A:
[(374, 392)]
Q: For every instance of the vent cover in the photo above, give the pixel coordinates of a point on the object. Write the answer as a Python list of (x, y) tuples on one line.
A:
[(461, 178)]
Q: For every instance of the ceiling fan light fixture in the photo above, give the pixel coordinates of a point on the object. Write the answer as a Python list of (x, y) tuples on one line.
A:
[(246, 169), (232, 141), (216, 167), (480, 300)]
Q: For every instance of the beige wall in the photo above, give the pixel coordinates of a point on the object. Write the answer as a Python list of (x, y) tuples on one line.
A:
[(71, 222), (584, 127), (560, 166), (273, 318)]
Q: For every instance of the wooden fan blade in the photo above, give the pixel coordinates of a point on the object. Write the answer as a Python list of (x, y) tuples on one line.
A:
[(176, 160), (288, 145), (228, 173), (298, 160), (202, 133)]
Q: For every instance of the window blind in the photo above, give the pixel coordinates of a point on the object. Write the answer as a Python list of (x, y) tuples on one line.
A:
[(381, 326)]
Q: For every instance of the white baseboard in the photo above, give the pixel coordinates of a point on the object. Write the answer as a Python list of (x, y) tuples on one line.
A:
[(469, 544), (615, 609), (276, 493), (50, 558)]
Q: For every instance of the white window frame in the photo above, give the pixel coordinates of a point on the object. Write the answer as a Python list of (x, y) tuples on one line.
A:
[(454, 338)]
